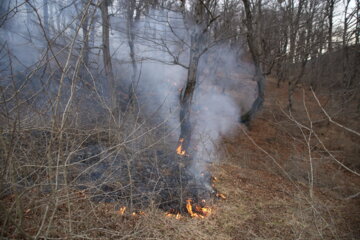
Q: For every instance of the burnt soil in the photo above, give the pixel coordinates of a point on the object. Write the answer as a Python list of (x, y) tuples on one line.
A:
[(264, 173)]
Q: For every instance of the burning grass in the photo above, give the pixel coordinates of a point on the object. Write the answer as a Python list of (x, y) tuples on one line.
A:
[(114, 190), (258, 205), (179, 150)]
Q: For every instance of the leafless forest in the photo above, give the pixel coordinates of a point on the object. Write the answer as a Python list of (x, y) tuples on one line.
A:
[(175, 119)]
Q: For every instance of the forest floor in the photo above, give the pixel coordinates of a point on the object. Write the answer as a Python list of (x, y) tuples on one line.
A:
[(264, 173)]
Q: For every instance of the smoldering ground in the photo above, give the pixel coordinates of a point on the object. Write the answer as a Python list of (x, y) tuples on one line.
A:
[(161, 54)]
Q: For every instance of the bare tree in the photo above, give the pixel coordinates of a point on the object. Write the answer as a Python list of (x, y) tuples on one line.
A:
[(104, 4), (330, 14), (198, 22), (254, 50), (133, 13), (46, 15)]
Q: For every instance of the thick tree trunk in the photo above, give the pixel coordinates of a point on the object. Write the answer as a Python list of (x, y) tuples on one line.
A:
[(357, 33), (305, 41), (131, 42), (186, 97), (294, 30), (85, 31), (197, 38), (331, 4), (85, 57), (345, 48), (259, 77), (106, 51)]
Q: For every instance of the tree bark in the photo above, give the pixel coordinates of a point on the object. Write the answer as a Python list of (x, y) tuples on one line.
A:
[(131, 42), (259, 77), (197, 47), (331, 4), (187, 94), (46, 16), (106, 51)]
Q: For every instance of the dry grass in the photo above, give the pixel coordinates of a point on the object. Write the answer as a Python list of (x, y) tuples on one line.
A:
[(263, 201)]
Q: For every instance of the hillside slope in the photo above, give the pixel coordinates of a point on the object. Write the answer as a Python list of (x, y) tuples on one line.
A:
[(264, 173)]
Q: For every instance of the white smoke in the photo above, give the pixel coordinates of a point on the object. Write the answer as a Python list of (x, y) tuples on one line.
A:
[(224, 87), (221, 78)]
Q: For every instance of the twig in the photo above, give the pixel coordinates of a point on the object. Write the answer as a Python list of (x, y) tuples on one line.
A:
[(330, 119)]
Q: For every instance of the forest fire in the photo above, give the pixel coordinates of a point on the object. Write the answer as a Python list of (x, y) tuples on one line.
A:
[(220, 195), (176, 215), (179, 150), (199, 212), (137, 213), (214, 179), (121, 211)]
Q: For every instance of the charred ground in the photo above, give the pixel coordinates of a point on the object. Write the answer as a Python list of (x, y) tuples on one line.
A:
[(264, 174)]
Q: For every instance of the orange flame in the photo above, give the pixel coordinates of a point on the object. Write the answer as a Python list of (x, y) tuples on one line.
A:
[(206, 211), (190, 210), (177, 215), (179, 149), (121, 211), (220, 195), (200, 212), (138, 213), (214, 179), (197, 212)]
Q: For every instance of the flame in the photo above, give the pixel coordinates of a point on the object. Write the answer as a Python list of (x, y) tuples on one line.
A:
[(173, 213), (214, 179), (206, 211), (177, 215), (179, 149), (137, 213), (190, 210), (121, 211), (220, 195), (200, 212)]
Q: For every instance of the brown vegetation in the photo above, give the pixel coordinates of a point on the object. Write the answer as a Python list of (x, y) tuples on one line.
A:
[(263, 200), (90, 147)]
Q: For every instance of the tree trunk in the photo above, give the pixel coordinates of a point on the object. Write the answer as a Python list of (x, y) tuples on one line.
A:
[(85, 31), (106, 52), (131, 42), (196, 49), (344, 45), (28, 16), (85, 57), (305, 44), (259, 77), (357, 33), (294, 30), (331, 4), (46, 16), (187, 94)]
